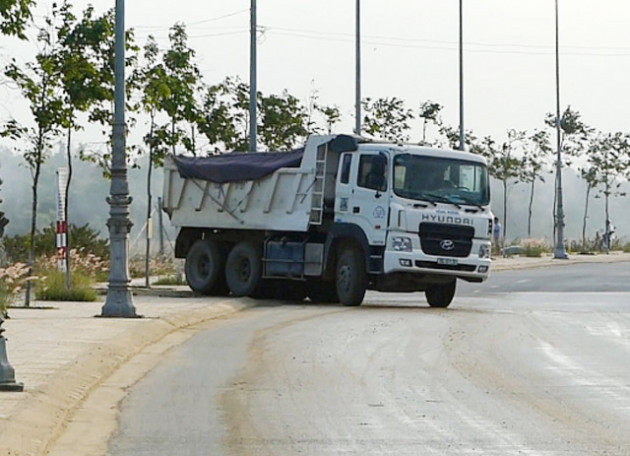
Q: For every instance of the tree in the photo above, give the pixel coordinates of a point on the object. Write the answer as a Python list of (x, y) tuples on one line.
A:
[(154, 89), (429, 113), (504, 165), (82, 45), (224, 121), (14, 15), (100, 43), (387, 119), (331, 114), (182, 78), (40, 84), (218, 122), (590, 176), (537, 152), (451, 136), (574, 135), (608, 156), (284, 121)]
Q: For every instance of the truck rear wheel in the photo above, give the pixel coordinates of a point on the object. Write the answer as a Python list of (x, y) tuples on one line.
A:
[(205, 266), (441, 295), (351, 277), (243, 269)]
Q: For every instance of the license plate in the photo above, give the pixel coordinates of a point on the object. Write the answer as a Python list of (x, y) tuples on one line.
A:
[(448, 261)]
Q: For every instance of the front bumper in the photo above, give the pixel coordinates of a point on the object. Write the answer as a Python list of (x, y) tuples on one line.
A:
[(473, 267)]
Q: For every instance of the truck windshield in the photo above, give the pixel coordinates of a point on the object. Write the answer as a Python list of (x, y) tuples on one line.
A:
[(435, 179)]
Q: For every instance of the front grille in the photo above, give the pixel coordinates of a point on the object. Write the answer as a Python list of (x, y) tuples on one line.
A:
[(446, 267), (446, 240)]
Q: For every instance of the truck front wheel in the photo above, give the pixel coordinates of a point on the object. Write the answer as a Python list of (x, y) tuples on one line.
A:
[(243, 269), (351, 277), (441, 295), (205, 264)]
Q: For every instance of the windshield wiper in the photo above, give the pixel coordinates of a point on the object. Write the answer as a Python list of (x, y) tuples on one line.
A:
[(441, 199), (471, 203)]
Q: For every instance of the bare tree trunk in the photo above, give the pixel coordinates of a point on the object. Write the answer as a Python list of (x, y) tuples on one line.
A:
[(588, 193), (67, 198), (531, 203), (31, 249), (147, 256), (608, 234), (505, 191)]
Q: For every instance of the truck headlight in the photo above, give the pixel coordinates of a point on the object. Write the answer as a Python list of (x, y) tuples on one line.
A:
[(484, 251), (401, 244)]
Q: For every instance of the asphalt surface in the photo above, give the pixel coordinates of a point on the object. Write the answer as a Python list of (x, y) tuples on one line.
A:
[(76, 368), (518, 367)]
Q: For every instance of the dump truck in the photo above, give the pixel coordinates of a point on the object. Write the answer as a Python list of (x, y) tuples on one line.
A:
[(342, 215)]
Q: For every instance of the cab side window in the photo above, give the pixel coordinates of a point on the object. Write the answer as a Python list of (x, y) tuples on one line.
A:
[(372, 172), (345, 168)]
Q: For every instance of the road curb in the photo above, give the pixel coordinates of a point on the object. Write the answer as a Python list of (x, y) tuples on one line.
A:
[(43, 417)]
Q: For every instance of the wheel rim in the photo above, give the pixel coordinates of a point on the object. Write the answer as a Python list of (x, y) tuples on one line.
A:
[(244, 270), (345, 277), (203, 266)]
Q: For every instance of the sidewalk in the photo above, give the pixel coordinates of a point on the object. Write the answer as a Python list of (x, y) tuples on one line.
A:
[(63, 354)]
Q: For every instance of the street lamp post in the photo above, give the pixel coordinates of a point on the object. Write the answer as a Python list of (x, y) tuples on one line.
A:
[(357, 101), (7, 373), (462, 144), (559, 252), (253, 89), (119, 302)]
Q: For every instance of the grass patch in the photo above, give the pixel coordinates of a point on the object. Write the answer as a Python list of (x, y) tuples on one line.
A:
[(169, 280), (52, 287)]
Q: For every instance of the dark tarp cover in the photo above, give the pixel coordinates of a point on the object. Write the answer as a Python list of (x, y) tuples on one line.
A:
[(236, 166)]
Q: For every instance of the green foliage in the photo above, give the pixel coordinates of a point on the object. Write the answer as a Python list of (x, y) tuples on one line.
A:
[(429, 113), (284, 121), (83, 238), (387, 119), (52, 287), (14, 15), (574, 133)]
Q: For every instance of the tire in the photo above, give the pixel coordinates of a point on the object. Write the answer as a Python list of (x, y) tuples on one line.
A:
[(441, 295), (322, 293), (243, 269), (205, 268), (351, 277)]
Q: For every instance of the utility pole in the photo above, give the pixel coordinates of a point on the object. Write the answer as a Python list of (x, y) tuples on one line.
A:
[(119, 302), (253, 90), (559, 252), (462, 145), (357, 128)]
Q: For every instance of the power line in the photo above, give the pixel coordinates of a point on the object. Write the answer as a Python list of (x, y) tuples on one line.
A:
[(450, 46), (193, 24)]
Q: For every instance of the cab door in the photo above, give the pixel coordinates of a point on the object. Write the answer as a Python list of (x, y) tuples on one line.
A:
[(363, 194)]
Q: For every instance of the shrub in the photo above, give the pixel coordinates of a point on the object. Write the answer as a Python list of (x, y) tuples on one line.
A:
[(11, 281), (170, 280), (52, 287), (82, 238), (158, 266)]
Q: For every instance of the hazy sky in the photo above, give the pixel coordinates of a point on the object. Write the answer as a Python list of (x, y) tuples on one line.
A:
[(410, 50)]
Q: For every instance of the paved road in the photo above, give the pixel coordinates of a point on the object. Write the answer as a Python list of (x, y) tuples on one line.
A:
[(517, 366)]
